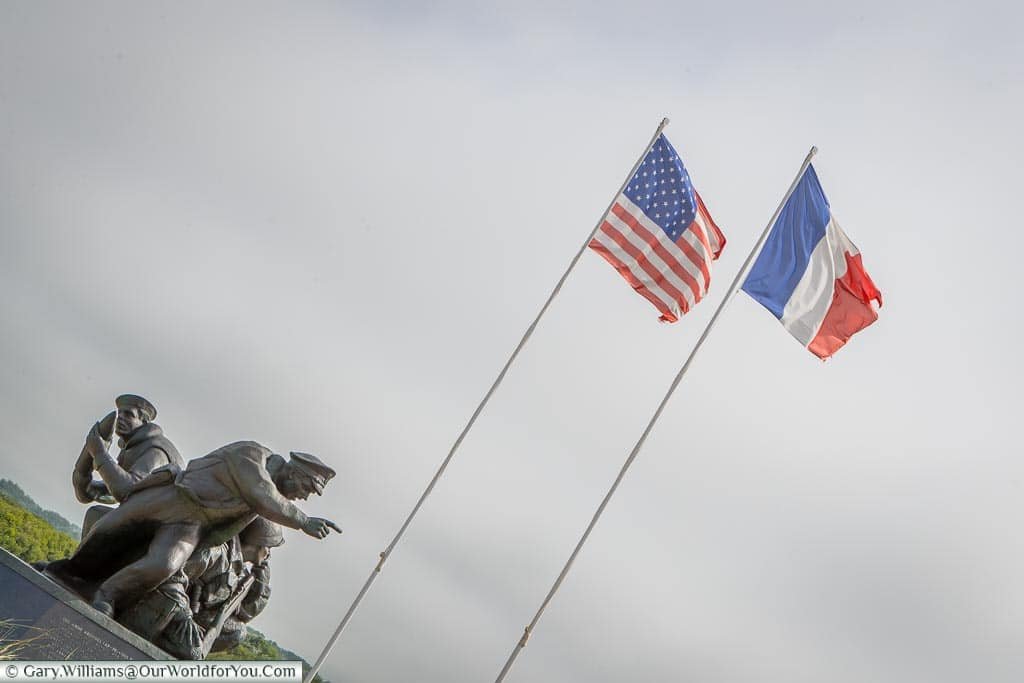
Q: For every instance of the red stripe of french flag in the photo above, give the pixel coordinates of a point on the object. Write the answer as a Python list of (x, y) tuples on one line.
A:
[(850, 311)]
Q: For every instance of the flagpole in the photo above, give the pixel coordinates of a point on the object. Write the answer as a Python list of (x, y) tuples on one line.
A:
[(650, 425), (451, 453)]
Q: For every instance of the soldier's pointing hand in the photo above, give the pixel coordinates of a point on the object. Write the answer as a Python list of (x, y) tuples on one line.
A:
[(318, 527)]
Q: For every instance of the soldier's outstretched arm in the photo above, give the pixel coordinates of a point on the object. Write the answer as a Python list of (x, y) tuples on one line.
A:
[(257, 489), (268, 502)]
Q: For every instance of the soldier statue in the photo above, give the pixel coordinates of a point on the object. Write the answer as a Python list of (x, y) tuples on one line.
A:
[(165, 516), (205, 605), (144, 448), (256, 540)]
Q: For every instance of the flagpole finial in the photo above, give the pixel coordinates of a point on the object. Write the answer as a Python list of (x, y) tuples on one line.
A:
[(814, 150)]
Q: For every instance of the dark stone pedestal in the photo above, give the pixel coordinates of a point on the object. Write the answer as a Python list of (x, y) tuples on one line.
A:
[(58, 624)]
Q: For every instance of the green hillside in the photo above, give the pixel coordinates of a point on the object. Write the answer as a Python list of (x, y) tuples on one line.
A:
[(29, 537), (13, 492), (33, 538)]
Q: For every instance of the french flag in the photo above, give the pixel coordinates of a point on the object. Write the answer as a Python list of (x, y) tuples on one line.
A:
[(810, 276)]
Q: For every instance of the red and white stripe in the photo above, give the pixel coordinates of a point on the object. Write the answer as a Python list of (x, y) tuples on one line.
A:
[(671, 275)]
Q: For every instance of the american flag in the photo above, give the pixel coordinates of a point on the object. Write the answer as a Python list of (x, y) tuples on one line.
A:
[(659, 235)]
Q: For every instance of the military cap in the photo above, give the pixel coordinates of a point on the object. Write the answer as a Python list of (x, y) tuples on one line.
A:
[(314, 467), (133, 401), (262, 532)]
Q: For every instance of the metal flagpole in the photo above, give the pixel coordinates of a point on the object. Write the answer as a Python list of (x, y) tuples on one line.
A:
[(650, 425), (501, 375)]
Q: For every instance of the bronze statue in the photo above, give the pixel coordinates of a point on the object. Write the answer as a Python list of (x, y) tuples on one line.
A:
[(256, 541), (144, 448), (168, 514), (205, 605)]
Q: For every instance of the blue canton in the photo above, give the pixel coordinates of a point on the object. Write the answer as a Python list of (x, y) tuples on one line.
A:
[(662, 189)]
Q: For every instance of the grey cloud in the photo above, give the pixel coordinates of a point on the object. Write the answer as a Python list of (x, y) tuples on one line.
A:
[(351, 213)]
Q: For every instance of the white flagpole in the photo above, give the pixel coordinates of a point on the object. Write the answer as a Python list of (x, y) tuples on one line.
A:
[(733, 288), (501, 375)]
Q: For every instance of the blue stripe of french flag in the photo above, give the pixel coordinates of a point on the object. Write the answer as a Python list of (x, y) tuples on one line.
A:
[(810, 275)]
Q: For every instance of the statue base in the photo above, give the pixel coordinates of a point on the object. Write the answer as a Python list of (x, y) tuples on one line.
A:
[(40, 620)]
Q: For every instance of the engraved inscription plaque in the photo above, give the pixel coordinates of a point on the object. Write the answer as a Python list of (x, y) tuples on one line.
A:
[(54, 624)]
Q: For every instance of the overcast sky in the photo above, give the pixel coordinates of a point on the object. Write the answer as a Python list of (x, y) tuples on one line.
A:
[(324, 226)]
